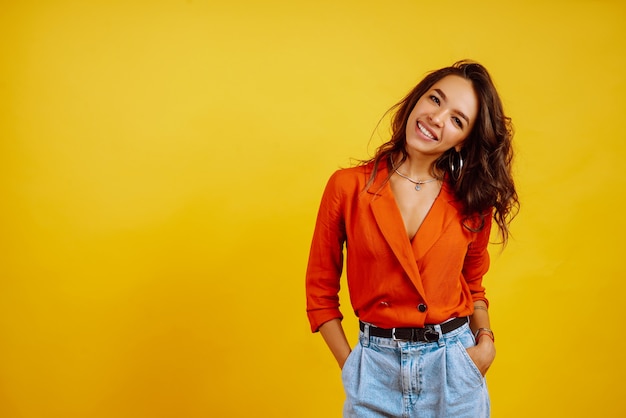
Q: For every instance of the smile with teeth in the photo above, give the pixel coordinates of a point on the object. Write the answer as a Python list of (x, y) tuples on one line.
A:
[(426, 131)]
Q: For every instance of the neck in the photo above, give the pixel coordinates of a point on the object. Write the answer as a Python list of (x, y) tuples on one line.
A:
[(417, 167)]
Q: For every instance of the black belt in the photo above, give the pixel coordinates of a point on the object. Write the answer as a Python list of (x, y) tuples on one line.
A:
[(427, 334)]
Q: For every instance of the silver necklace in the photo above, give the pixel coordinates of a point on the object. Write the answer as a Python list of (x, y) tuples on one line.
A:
[(417, 183)]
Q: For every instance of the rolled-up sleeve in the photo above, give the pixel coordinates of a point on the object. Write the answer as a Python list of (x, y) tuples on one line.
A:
[(326, 258), (477, 262)]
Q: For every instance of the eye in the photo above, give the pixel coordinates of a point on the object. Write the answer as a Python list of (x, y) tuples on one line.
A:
[(457, 121), (435, 99)]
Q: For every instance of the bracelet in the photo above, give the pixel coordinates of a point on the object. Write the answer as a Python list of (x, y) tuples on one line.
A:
[(480, 307), (486, 331)]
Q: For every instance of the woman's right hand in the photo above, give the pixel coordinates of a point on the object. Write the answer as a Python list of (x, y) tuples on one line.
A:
[(335, 338)]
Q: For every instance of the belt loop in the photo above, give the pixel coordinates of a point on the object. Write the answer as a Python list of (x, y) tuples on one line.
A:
[(441, 341), (366, 335)]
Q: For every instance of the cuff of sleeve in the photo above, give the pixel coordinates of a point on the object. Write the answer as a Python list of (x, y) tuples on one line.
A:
[(481, 298), (320, 316)]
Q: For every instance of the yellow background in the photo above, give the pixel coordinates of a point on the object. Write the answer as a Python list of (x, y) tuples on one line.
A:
[(161, 163)]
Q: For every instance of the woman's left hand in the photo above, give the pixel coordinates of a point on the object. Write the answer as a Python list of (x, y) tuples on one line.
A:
[(483, 354)]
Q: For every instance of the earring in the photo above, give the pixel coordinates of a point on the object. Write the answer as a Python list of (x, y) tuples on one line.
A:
[(456, 167)]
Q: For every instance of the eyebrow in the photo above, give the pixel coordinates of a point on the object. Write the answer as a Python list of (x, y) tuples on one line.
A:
[(445, 98)]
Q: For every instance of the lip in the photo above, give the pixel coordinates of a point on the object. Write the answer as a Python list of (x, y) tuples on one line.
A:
[(418, 128)]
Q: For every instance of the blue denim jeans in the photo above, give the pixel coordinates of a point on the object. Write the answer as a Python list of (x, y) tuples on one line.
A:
[(387, 378)]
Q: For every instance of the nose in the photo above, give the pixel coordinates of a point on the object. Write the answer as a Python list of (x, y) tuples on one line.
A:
[(437, 116)]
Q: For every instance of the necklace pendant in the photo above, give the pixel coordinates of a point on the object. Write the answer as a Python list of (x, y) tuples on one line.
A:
[(418, 187)]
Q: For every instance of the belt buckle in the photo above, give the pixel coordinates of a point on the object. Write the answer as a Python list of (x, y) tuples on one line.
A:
[(430, 334), (405, 337), (393, 334)]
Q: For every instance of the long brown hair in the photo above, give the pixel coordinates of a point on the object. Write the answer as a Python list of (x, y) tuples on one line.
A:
[(485, 183)]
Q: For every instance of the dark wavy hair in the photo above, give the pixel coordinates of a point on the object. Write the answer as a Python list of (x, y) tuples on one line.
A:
[(485, 184)]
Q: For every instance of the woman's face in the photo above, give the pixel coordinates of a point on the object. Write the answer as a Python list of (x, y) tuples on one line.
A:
[(443, 117)]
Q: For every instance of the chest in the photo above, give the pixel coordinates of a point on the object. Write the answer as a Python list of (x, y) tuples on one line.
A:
[(414, 205)]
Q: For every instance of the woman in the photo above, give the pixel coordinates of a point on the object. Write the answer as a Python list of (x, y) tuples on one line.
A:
[(415, 221)]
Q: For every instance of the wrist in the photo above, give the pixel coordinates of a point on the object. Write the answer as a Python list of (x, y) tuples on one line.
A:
[(484, 332)]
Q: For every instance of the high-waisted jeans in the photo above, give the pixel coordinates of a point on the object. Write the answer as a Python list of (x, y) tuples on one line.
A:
[(387, 378)]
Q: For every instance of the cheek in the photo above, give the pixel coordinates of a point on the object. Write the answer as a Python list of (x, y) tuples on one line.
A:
[(461, 137), (458, 137), (410, 121)]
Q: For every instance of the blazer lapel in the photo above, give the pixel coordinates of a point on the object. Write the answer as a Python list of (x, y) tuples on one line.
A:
[(389, 220), (442, 212)]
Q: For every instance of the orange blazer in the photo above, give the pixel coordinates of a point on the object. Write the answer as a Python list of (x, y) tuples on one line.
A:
[(392, 281)]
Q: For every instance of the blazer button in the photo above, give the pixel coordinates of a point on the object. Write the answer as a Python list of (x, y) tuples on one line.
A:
[(421, 307)]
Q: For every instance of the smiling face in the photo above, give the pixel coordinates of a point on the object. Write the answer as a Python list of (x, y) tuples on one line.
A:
[(443, 117)]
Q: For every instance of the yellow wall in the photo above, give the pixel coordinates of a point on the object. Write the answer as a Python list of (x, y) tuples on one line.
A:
[(161, 163)]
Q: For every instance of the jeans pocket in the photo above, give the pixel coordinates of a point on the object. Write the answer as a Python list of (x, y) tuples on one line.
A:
[(466, 384), (464, 378), (470, 363), (345, 370)]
